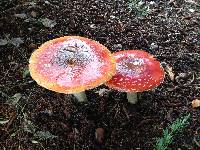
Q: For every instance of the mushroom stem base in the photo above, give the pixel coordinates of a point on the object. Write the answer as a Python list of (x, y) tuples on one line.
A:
[(81, 96), (132, 97)]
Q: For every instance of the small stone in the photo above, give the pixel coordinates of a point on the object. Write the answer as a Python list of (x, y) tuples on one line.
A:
[(154, 46), (112, 17), (47, 2), (191, 10), (117, 46), (183, 75), (103, 91), (92, 26), (33, 14), (151, 2)]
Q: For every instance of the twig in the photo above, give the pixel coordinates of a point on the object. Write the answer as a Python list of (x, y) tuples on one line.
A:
[(10, 121)]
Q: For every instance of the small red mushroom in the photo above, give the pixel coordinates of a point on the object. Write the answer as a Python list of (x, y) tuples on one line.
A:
[(137, 71), (71, 65)]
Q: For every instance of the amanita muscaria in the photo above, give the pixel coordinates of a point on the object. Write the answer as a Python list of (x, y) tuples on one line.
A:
[(71, 65), (137, 71)]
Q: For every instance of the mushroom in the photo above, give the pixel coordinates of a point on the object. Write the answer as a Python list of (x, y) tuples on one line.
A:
[(71, 65), (137, 71)]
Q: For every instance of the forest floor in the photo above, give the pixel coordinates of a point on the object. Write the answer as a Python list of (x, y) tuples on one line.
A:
[(32, 117)]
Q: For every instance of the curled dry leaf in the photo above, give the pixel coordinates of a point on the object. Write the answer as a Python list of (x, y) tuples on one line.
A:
[(99, 134), (170, 72), (195, 103)]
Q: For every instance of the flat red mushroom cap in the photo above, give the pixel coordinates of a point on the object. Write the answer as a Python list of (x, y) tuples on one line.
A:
[(137, 71), (71, 64)]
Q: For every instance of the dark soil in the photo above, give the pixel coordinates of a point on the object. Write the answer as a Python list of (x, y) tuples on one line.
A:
[(170, 31)]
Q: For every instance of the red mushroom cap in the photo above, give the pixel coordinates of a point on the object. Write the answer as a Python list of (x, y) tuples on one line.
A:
[(71, 64), (137, 71)]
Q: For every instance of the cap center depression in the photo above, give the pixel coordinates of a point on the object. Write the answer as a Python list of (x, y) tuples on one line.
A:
[(72, 53)]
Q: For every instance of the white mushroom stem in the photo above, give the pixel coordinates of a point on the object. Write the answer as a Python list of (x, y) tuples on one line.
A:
[(132, 97), (81, 96)]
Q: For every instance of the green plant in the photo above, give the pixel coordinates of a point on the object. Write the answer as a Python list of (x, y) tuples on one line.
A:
[(168, 134), (139, 7)]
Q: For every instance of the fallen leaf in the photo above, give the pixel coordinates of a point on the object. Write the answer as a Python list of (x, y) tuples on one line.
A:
[(14, 41), (3, 42), (195, 103), (3, 121), (14, 99), (48, 23), (44, 135), (17, 41), (3, 94)]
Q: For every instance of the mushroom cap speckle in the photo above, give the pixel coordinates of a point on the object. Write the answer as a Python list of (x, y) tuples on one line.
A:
[(71, 64), (137, 71)]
